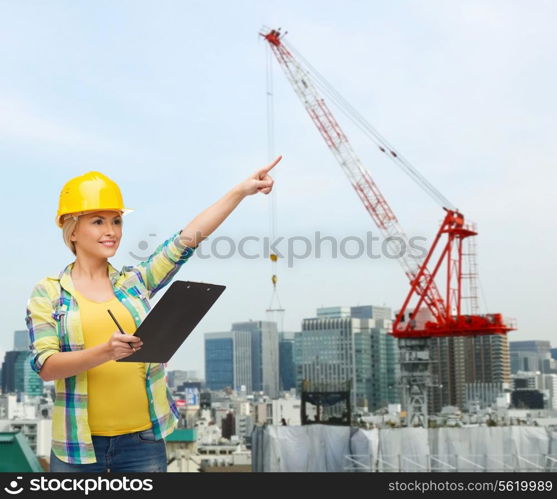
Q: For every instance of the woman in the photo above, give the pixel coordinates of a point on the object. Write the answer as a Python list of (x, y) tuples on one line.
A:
[(110, 416)]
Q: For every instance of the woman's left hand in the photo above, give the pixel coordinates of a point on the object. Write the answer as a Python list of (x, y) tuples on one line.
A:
[(260, 181)]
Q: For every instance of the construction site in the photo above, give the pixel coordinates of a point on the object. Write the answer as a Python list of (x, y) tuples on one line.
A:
[(446, 344)]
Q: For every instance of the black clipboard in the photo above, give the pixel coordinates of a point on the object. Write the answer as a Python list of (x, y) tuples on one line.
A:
[(172, 319)]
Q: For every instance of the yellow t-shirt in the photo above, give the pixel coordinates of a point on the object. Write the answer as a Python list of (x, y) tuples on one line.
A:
[(116, 393)]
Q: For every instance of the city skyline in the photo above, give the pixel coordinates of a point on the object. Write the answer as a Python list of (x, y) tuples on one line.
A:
[(19, 342), (339, 344), (462, 89)]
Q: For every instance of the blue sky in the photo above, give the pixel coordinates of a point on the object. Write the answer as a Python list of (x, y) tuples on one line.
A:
[(168, 99)]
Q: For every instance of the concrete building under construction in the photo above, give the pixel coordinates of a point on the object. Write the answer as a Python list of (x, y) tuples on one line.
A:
[(460, 361)]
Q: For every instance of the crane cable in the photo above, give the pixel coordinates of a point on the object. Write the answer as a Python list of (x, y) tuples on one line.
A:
[(357, 119), (360, 122), (273, 196)]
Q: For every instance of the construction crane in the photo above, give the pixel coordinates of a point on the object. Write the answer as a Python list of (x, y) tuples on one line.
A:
[(426, 311)]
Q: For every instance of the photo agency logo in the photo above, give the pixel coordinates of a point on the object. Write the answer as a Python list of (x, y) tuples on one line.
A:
[(82, 485), (14, 486), (295, 248)]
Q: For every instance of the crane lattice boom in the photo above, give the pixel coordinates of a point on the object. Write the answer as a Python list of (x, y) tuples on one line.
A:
[(445, 312)]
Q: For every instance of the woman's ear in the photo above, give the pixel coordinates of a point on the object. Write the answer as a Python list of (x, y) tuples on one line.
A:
[(73, 237)]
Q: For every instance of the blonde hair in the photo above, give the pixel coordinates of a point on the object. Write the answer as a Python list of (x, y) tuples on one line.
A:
[(69, 224)]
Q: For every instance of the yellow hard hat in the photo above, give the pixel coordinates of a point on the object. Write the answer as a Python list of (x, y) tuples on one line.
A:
[(91, 191)]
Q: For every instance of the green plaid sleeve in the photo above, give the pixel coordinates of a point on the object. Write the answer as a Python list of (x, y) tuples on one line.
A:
[(159, 269), (41, 327)]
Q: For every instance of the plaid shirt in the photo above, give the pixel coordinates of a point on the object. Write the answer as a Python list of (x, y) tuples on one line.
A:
[(54, 326)]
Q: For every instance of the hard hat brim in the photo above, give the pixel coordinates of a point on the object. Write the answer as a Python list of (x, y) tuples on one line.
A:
[(59, 218)]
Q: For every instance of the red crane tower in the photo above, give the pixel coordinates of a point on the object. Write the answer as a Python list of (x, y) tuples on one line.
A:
[(446, 257)]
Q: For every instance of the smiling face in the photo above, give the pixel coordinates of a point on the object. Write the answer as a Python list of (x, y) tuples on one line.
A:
[(98, 234)]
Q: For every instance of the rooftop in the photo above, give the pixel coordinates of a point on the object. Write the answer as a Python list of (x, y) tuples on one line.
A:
[(16, 455)]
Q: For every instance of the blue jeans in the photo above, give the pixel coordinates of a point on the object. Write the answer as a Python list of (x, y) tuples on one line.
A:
[(131, 452)]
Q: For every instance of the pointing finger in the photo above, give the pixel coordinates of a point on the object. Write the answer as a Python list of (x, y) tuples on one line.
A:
[(268, 168)]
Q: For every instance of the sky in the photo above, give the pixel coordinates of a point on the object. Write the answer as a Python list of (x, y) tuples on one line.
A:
[(169, 99)]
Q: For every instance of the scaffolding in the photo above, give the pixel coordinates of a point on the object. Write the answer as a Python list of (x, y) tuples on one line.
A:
[(451, 463), (328, 448)]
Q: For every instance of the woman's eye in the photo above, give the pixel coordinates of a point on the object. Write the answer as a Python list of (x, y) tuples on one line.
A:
[(99, 221)]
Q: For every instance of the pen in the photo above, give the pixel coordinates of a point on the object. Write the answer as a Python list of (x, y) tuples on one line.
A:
[(119, 327)]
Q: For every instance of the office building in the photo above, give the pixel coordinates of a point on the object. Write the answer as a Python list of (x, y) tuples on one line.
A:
[(336, 347), (27, 380), (385, 369), (256, 356), (21, 340), (287, 368), (371, 312), (533, 355), (246, 358), (324, 354), (8, 371), (219, 360), (17, 375)]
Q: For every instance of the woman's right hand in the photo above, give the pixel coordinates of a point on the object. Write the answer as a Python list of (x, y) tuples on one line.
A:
[(118, 345)]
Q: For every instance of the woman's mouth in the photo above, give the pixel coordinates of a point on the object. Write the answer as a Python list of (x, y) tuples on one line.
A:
[(108, 244)]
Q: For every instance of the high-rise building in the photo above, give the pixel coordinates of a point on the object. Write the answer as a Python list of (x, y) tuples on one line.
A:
[(246, 358), (459, 361), (17, 375), (219, 360), (26, 380), (21, 340), (371, 312), (245, 376), (8, 371), (287, 368), (385, 370), (256, 356), (324, 353), (332, 350), (533, 355)]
